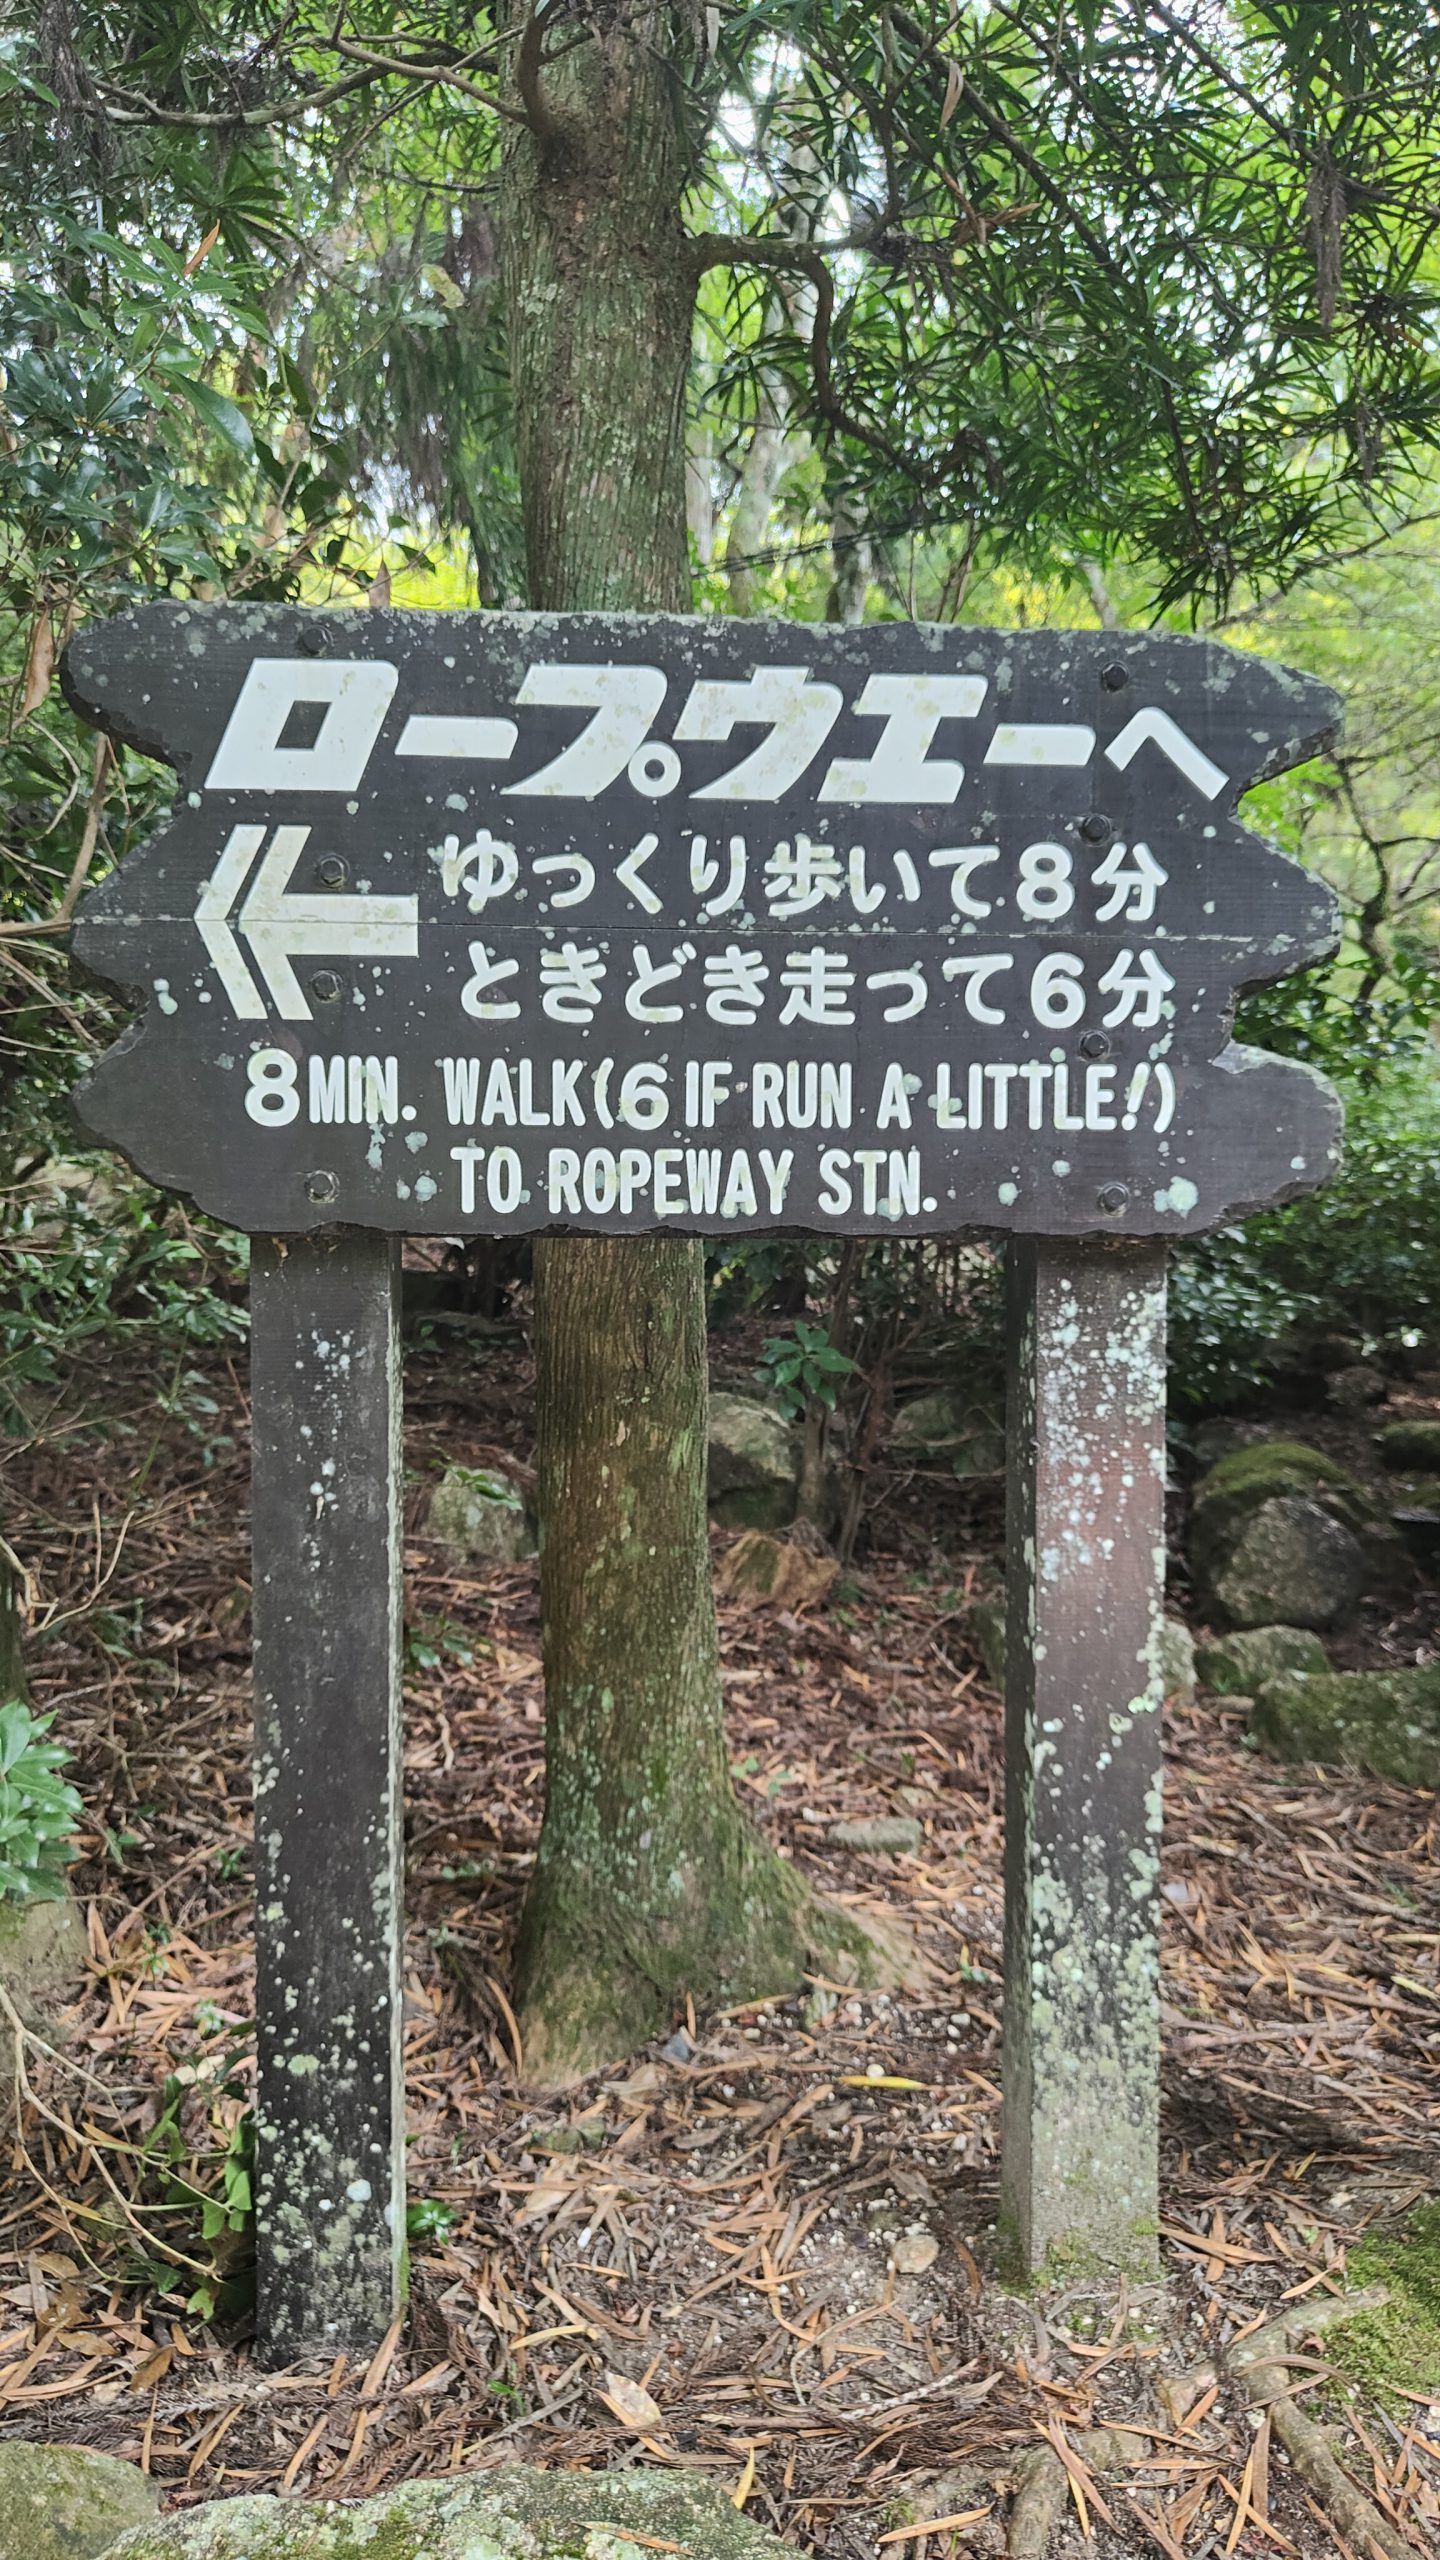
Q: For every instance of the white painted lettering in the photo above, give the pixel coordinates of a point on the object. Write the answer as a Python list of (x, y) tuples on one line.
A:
[(467, 1159), (894, 1110), (1099, 1096), (564, 1194), (767, 1088), (775, 1172), (461, 1079), (624, 700), (912, 708)]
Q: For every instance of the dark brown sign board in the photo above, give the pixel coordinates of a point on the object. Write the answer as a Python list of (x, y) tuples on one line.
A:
[(493, 923), (502, 923)]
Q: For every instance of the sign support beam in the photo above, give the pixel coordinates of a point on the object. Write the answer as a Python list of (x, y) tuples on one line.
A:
[(330, 2204), (1086, 1537)]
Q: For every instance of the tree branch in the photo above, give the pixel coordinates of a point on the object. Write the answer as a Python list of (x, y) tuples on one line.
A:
[(436, 76), (549, 131), (140, 110)]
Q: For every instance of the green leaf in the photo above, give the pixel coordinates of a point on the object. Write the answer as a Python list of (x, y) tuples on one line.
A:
[(216, 410)]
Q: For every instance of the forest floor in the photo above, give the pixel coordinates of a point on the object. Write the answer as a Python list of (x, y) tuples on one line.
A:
[(760, 2249)]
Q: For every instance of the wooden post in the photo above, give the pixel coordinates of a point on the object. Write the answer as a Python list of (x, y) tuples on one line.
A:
[(1083, 1694), (330, 2201)]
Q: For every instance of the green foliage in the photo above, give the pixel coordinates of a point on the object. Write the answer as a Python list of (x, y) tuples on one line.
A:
[(489, 1486), (1361, 1257), (197, 2166), (1104, 311), (39, 1810), (434, 1641), (98, 1257), (802, 1367), (1394, 2353), (1118, 279), (427, 2219)]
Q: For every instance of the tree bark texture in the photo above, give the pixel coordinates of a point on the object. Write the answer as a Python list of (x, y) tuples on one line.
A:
[(649, 1881)]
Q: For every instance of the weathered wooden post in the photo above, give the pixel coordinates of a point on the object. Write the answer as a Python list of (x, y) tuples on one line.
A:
[(330, 2098), (1085, 1599), (635, 923)]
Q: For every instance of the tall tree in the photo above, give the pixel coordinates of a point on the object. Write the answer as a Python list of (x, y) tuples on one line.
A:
[(650, 1882)]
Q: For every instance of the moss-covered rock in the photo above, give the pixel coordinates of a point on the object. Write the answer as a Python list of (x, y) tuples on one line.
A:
[(754, 1468), (947, 1429), (1411, 1448), (511, 2514), (1239, 1665), (1395, 2352), (1386, 1722), (61, 2502), (1277, 1532), (479, 1514)]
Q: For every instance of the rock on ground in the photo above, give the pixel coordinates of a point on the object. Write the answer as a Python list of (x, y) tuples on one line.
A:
[(1411, 1448), (1277, 1533), (1238, 1665), (777, 1573), (895, 1832), (754, 1464), (479, 1513), (1222, 1436), (950, 1430), (515, 2513), (1386, 1722), (59, 2502)]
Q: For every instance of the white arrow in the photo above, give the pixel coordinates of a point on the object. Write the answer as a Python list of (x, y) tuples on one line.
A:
[(278, 924), (212, 911)]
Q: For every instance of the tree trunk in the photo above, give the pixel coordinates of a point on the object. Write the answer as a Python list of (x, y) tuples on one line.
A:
[(764, 466), (12, 1657), (649, 1882)]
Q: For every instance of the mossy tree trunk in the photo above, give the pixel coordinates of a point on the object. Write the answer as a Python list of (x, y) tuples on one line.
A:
[(649, 1883)]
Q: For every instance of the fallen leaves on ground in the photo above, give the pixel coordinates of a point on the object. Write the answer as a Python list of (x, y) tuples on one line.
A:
[(758, 2249)]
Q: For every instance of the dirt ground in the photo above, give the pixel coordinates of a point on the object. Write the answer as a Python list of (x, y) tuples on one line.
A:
[(761, 2248)]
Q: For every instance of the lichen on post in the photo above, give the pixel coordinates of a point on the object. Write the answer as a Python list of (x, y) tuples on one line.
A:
[(330, 2113), (1083, 1753)]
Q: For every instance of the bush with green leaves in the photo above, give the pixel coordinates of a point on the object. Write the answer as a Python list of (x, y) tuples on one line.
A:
[(90, 1255), (804, 1365), (197, 2164), (1361, 1257), (39, 1810)]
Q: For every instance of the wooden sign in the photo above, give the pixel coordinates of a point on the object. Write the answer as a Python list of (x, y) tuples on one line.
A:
[(488, 923), (492, 923)]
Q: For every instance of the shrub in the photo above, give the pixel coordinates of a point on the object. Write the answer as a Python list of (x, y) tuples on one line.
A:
[(39, 1810), (1361, 1256)]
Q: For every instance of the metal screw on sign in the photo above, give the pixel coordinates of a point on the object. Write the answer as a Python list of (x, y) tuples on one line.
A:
[(632, 925)]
